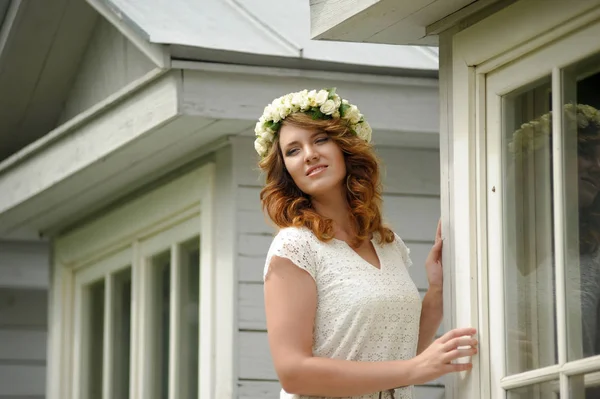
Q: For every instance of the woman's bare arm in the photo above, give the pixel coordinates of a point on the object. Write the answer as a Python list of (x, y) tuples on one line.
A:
[(291, 301), (431, 317)]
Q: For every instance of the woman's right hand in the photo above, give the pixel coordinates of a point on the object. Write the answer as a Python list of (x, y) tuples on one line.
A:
[(437, 359)]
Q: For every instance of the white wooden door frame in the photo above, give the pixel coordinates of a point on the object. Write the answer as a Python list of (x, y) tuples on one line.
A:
[(473, 53), (185, 203)]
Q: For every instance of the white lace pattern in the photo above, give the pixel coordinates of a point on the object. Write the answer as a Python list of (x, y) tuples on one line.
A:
[(363, 313)]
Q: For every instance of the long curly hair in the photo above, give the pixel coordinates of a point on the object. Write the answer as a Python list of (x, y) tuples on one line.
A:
[(288, 206)]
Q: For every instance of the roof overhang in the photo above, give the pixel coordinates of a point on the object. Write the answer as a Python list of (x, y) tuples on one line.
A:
[(414, 22), (169, 118)]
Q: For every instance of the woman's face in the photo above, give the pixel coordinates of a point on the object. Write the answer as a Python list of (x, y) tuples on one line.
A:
[(588, 163), (313, 159)]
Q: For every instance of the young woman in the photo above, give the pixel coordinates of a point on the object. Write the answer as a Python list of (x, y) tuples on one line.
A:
[(344, 318)]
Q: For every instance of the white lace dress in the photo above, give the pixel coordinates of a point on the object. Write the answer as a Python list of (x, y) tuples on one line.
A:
[(363, 313)]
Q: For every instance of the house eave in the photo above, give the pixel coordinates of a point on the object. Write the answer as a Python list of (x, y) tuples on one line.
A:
[(388, 21), (173, 118)]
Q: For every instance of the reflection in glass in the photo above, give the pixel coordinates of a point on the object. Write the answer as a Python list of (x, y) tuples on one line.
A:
[(161, 266), (121, 334), (585, 386), (528, 229), (545, 390), (581, 124), (190, 267), (95, 346)]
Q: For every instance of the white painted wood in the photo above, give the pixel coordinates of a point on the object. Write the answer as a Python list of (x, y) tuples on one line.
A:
[(225, 274), (137, 115), (128, 222), (24, 264), (479, 43), (378, 21), (157, 53), (175, 307), (22, 345), (152, 229), (464, 275), (111, 61), (22, 381), (395, 104)]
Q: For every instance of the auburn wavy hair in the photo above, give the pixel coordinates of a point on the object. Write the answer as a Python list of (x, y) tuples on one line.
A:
[(288, 206)]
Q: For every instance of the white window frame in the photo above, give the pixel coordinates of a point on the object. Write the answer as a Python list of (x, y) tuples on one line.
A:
[(173, 212), (465, 59)]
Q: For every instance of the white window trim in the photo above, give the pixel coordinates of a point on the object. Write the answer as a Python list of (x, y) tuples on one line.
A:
[(113, 233), (467, 57)]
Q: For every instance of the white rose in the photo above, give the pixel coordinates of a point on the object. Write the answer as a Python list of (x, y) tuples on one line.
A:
[(364, 131), (304, 102), (311, 95), (261, 147), (267, 135), (272, 113), (345, 102), (337, 100), (283, 111), (328, 107), (336, 115), (297, 99), (258, 128), (321, 97), (352, 115)]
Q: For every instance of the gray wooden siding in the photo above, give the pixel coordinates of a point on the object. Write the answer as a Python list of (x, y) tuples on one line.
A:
[(23, 319), (23, 342), (110, 62), (411, 206)]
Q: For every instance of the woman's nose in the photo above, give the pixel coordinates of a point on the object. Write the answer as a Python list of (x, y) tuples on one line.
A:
[(310, 154)]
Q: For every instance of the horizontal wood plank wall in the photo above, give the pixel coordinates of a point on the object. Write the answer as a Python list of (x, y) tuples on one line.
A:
[(23, 343), (411, 207), (24, 265)]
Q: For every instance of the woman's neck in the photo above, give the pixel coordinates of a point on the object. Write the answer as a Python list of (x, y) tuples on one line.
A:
[(335, 207)]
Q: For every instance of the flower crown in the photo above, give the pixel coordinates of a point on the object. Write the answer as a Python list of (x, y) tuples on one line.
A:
[(532, 136), (322, 104)]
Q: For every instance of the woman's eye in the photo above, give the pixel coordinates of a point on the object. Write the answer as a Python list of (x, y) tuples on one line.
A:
[(291, 152), (322, 140)]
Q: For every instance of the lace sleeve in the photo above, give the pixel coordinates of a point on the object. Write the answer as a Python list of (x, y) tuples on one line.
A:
[(404, 250), (293, 244)]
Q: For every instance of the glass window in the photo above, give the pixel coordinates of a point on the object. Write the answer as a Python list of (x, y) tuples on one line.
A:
[(581, 202), (121, 333), (95, 345), (585, 386), (544, 390), (161, 310), (190, 265), (528, 229)]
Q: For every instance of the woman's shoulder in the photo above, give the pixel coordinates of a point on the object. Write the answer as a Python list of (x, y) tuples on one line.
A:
[(403, 249)]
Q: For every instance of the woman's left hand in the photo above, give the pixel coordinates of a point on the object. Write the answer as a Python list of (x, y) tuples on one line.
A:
[(433, 263)]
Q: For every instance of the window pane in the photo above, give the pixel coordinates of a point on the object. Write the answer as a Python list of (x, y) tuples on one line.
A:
[(528, 229), (190, 266), (585, 386), (545, 390), (161, 312), (581, 158), (122, 333), (95, 343)]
